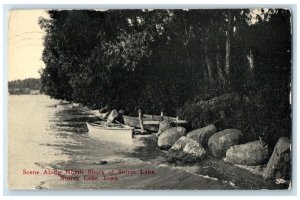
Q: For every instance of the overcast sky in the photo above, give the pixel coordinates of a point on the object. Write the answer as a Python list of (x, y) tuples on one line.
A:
[(25, 44)]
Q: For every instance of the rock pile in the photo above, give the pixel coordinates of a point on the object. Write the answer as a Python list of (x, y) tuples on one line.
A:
[(186, 150), (168, 138), (221, 141), (279, 165), (202, 135), (252, 153), (164, 125), (191, 147)]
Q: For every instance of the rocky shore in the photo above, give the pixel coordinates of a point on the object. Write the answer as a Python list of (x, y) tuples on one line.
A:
[(227, 146), (204, 158)]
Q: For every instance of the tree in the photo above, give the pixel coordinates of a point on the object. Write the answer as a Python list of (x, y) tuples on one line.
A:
[(161, 59)]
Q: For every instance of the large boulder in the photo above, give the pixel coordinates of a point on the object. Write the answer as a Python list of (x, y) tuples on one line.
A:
[(220, 142), (186, 150), (252, 153), (279, 165), (164, 125), (202, 135), (168, 138)]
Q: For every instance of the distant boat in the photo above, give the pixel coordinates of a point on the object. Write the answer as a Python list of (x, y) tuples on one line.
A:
[(64, 106), (111, 132), (67, 105), (150, 122)]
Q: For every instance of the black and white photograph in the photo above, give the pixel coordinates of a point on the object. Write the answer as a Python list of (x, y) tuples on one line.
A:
[(150, 99)]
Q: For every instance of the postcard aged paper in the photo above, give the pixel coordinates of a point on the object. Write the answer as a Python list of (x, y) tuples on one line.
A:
[(149, 99)]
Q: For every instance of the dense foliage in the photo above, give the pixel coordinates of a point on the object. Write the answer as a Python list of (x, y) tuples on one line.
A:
[(24, 86), (169, 59)]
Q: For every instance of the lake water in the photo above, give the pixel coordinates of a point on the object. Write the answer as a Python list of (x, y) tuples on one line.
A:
[(43, 137)]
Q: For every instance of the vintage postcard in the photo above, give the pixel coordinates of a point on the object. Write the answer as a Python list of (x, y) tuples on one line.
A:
[(151, 99)]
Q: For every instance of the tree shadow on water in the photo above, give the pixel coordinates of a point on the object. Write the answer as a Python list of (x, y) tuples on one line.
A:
[(146, 149)]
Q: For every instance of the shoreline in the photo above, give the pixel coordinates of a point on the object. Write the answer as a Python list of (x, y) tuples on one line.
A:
[(211, 173), (212, 168), (168, 177)]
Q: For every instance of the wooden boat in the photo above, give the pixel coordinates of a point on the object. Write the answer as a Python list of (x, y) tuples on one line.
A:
[(64, 102), (150, 122), (64, 106), (111, 132), (75, 105), (102, 116), (135, 122)]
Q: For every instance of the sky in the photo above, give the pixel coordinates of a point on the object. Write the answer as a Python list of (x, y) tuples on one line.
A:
[(25, 44)]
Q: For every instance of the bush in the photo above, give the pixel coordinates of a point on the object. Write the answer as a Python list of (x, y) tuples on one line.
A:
[(254, 117), (214, 111)]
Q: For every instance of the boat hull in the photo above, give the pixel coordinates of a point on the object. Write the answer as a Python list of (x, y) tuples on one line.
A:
[(102, 116), (122, 135), (150, 122), (64, 106), (135, 122)]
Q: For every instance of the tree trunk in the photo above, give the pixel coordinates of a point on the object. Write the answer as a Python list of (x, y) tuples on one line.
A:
[(250, 60), (209, 68), (227, 62), (221, 79), (228, 46)]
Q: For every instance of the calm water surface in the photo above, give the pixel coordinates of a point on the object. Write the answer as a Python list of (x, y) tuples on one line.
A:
[(42, 136)]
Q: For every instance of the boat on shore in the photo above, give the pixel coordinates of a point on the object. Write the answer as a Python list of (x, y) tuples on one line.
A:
[(150, 122), (76, 105), (111, 132), (96, 113), (63, 104)]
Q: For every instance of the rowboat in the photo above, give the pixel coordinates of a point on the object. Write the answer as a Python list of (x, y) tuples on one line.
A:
[(75, 105), (64, 102), (102, 116), (150, 122), (64, 106), (111, 132)]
